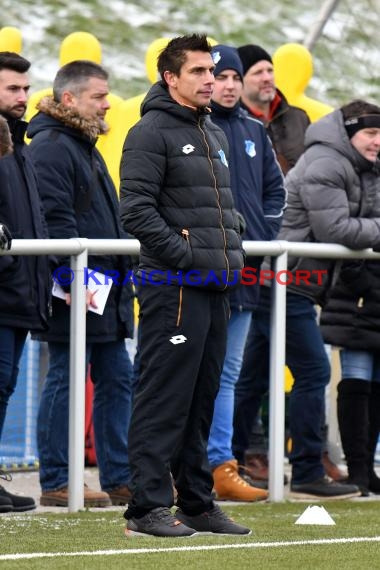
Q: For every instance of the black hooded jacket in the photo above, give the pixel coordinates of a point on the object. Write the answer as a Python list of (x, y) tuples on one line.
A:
[(175, 193), (80, 200), (24, 280)]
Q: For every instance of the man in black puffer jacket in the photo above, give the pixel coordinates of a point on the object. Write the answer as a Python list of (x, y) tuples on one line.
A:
[(176, 199), (24, 280), (80, 201)]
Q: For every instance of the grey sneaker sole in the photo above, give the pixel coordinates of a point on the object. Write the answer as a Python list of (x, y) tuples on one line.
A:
[(135, 534), (215, 533), (228, 534), (302, 496)]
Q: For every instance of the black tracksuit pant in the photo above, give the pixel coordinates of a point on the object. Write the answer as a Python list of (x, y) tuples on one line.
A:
[(183, 343)]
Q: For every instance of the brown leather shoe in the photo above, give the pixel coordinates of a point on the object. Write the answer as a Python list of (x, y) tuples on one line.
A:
[(257, 467), (120, 495), (60, 498), (331, 469), (244, 474)]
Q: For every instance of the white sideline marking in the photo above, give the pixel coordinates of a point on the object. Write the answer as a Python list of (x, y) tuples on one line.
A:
[(191, 548)]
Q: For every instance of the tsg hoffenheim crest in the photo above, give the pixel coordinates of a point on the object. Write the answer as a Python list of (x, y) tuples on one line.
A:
[(250, 148)]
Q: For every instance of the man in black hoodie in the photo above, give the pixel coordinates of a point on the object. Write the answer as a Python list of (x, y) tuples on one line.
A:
[(24, 290), (176, 199)]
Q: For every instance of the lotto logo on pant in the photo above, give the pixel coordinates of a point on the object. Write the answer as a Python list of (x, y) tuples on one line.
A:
[(178, 339)]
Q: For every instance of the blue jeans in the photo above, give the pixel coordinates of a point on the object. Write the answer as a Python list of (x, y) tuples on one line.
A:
[(112, 375), (307, 359), (12, 341), (360, 364), (220, 440)]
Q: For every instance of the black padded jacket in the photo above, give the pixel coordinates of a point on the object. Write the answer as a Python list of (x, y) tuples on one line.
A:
[(175, 193)]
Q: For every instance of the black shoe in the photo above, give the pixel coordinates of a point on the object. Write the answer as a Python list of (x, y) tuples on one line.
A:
[(18, 503), (374, 482), (214, 521), (324, 488), (158, 522), (6, 504), (360, 481)]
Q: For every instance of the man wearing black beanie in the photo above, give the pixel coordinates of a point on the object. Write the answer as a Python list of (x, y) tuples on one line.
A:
[(285, 124)]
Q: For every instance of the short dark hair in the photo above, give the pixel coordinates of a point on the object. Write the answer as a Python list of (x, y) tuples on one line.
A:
[(173, 56), (358, 108), (13, 61), (74, 75)]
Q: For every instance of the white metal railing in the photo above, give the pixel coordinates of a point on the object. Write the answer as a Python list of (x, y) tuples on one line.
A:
[(80, 248)]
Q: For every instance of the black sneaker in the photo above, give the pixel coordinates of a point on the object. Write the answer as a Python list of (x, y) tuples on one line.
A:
[(6, 504), (324, 488), (158, 522), (214, 521), (19, 503)]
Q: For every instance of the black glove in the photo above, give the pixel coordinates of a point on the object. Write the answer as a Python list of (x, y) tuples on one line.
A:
[(5, 237)]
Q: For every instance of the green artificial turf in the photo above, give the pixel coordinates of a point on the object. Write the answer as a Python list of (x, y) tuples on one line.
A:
[(271, 523)]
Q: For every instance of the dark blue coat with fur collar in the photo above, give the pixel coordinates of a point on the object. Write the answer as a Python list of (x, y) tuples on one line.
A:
[(80, 200)]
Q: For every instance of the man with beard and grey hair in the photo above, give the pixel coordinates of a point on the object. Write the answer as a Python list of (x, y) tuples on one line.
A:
[(286, 126), (80, 200)]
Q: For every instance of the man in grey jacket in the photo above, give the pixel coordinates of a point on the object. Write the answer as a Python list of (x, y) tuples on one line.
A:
[(326, 192)]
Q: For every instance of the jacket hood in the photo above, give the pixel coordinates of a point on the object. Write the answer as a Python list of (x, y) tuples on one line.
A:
[(69, 118), (330, 131), (159, 99)]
